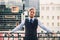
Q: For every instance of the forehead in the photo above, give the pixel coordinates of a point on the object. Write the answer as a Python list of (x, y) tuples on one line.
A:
[(31, 9)]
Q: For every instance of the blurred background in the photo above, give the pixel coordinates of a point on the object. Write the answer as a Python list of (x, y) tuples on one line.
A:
[(12, 12)]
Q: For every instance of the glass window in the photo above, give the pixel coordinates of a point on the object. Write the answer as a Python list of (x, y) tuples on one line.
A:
[(47, 24), (47, 17), (58, 24), (42, 8), (58, 8), (52, 23), (52, 17), (58, 17), (47, 8), (15, 9), (53, 8), (42, 17)]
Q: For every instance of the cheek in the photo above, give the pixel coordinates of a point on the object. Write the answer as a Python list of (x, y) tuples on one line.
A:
[(31, 14), (34, 14)]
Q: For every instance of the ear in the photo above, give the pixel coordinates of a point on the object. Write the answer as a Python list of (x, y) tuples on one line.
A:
[(34, 14)]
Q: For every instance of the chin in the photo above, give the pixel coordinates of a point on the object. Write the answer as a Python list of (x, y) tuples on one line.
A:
[(31, 17)]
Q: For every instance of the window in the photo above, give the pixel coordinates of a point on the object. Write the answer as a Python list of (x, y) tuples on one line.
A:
[(47, 17), (15, 9), (42, 8), (58, 8), (47, 8), (53, 8), (52, 23), (47, 24), (52, 17), (58, 24), (58, 17), (42, 17)]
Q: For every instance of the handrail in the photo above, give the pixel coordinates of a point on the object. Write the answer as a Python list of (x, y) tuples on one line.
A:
[(39, 35)]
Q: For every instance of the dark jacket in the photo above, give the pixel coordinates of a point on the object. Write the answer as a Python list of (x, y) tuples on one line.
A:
[(31, 29)]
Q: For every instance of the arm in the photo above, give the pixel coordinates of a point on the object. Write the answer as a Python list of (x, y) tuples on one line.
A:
[(43, 27), (19, 27)]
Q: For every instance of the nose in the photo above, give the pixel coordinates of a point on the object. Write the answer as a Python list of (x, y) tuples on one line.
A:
[(32, 13)]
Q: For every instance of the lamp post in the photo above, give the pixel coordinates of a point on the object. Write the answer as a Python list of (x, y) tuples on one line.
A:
[(23, 8), (23, 5)]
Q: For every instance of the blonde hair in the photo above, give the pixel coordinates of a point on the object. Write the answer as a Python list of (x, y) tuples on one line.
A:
[(32, 8)]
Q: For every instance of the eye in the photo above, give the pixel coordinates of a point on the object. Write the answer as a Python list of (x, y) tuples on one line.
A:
[(32, 12)]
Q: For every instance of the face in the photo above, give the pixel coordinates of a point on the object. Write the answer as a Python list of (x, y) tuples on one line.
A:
[(32, 13)]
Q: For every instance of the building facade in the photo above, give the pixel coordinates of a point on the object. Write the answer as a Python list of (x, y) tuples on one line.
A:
[(50, 14)]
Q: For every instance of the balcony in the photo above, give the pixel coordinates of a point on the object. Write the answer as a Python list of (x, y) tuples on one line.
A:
[(21, 36)]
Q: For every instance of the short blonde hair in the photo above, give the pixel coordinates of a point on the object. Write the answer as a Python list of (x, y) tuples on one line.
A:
[(32, 8)]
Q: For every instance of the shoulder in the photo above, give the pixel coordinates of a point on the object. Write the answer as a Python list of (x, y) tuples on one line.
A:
[(26, 19), (36, 18)]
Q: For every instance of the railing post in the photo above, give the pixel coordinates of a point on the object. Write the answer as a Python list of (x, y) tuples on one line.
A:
[(41, 36), (19, 36), (59, 38), (1, 36), (6, 36), (12, 37)]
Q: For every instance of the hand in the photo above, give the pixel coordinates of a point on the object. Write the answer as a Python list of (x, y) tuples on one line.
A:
[(9, 33)]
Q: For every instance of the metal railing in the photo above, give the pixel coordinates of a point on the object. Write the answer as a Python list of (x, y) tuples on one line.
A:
[(20, 36)]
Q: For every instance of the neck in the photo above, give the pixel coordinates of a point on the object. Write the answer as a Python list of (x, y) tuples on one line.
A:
[(31, 17)]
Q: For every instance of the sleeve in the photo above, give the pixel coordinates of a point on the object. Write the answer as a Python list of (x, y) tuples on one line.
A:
[(19, 27), (43, 27)]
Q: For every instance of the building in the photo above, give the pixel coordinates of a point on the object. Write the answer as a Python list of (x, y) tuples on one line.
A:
[(2, 2), (47, 11), (50, 14), (9, 17)]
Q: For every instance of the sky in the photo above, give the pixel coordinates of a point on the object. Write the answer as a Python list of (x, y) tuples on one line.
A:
[(49, 1), (41, 1), (10, 1)]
